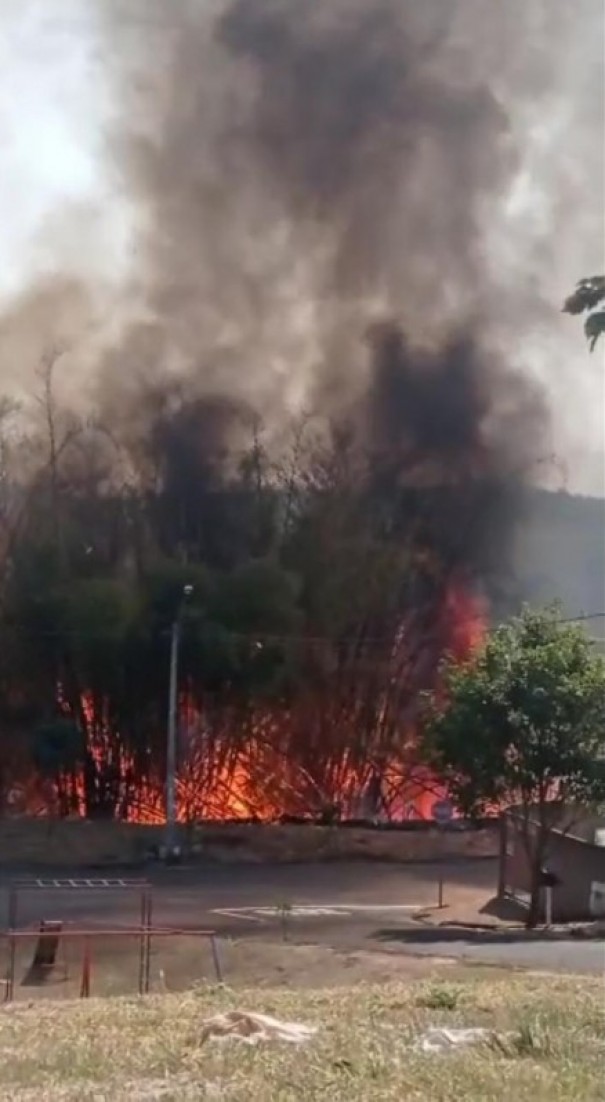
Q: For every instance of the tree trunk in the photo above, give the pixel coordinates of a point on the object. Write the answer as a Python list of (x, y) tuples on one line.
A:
[(535, 843), (535, 902), (537, 862)]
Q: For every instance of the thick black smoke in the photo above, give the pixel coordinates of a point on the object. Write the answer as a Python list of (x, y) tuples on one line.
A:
[(360, 126), (319, 184), (326, 204)]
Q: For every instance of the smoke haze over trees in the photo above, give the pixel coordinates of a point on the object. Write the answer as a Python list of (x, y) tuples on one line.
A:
[(307, 393), (288, 175)]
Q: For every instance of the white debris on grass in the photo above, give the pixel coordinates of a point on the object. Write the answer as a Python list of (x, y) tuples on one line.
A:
[(438, 1039), (251, 1028)]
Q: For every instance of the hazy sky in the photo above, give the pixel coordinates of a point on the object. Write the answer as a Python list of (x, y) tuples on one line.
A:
[(62, 209), (53, 109)]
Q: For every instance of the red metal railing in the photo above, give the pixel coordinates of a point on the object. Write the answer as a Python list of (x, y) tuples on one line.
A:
[(144, 933)]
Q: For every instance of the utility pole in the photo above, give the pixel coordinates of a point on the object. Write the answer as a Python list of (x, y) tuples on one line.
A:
[(172, 849), (173, 705)]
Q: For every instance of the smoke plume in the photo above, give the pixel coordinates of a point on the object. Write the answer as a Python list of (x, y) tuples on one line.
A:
[(357, 209), (334, 211)]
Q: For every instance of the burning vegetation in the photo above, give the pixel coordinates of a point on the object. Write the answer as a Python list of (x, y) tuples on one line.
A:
[(302, 410)]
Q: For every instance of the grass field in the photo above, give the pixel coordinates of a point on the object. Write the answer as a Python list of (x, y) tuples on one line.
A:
[(135, 1050)]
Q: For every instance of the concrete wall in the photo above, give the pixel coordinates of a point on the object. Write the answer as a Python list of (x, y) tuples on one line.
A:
[(577, 863), (46, 843)]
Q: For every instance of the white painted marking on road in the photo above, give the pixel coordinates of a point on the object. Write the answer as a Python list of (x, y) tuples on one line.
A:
[(361, 907), (332, 910), (300, 912), (240, 913)]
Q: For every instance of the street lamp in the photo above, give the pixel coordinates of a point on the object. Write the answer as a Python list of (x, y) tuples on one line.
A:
[(175, 639)]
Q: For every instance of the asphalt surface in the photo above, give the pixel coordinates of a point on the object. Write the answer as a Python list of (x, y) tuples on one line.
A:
[(567, 955), (350, 904)]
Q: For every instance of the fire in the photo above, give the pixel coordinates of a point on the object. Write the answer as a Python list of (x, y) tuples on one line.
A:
[(263, 778), (466, 616)]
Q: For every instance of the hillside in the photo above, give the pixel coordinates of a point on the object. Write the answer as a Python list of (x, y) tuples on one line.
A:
[(560, 554)]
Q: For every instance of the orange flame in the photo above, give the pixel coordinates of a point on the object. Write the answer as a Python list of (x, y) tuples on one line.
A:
[(260, 780)]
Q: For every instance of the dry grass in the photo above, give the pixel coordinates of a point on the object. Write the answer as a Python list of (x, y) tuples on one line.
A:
[(248, 963), (129, 1049)]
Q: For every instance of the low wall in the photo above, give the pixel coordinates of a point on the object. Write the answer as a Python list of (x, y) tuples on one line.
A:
[(44, 843)]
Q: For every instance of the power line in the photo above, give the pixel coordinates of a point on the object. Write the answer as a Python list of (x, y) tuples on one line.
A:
[(261, 636), (583, 618)]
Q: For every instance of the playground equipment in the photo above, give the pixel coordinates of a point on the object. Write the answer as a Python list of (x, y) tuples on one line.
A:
[(46, 954), (51, 935)]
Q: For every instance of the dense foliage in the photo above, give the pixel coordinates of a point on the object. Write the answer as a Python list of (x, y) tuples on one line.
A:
[(326, 587), (524, 723), (588, 298)]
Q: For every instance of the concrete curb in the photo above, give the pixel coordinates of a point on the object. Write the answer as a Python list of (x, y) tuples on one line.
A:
[(500, 932)]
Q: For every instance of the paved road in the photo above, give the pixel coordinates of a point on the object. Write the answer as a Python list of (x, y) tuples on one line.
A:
[(569, 955), (183, 896), (346, 904)]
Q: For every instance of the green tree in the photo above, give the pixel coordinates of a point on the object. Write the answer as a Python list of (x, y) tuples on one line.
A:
[(589, 298), (319, 607), (524, 723)]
